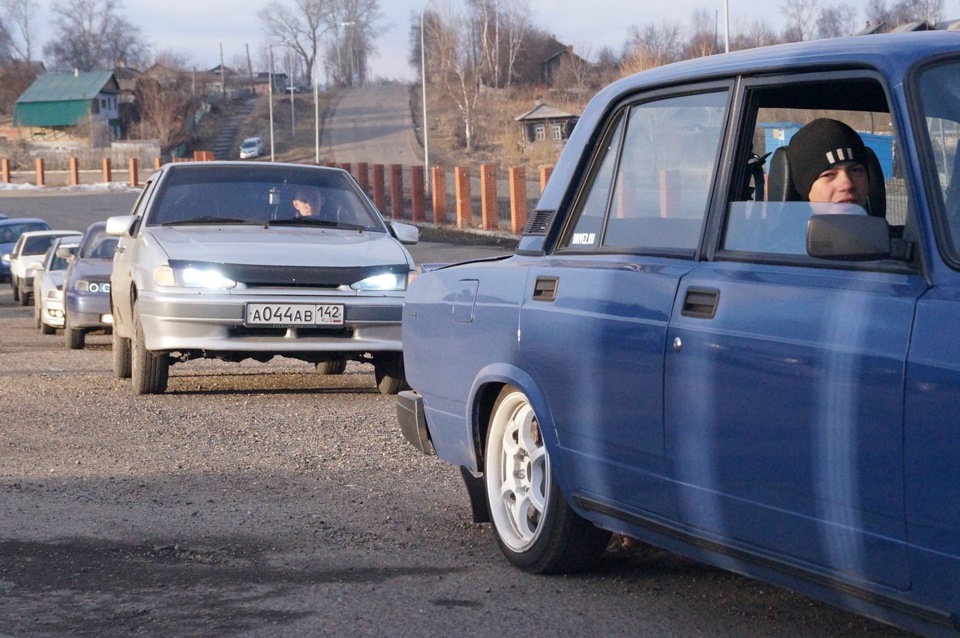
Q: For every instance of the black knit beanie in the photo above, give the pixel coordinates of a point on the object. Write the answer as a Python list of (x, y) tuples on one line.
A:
[(818, 146)]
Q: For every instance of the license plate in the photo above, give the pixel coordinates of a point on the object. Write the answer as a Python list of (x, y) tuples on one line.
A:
[(284, 314)]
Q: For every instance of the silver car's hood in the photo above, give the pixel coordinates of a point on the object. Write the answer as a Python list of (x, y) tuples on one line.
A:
[(280, 246)]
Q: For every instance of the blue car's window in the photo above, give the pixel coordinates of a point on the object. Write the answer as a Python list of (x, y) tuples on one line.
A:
[(653, 182), (937, 89)]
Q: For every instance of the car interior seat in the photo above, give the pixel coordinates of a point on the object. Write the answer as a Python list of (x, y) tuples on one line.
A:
[(780, 183)]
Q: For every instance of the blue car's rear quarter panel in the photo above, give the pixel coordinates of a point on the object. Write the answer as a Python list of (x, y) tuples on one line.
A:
[(464, 343)]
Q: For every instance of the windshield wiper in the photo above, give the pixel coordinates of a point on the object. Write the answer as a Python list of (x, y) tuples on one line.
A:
[(315, 221), (207, 219)]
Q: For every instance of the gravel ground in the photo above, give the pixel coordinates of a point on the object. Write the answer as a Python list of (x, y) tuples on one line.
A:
[(267, 500)]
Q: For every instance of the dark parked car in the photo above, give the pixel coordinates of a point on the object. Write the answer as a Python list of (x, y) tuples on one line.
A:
[(685, 351), (87, 287), (10, 231)]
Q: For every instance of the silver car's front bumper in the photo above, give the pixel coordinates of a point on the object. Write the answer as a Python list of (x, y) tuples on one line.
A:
[(215, 323)]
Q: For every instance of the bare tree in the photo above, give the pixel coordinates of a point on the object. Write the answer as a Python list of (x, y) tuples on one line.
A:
[(903, 11), (300, 28), (91, 34), (836, 21), (447, 36), (572, 79), (703, 40), (800, 15), (165, 108), (652, 46), (15, 28), (518, 24), (355, 25)]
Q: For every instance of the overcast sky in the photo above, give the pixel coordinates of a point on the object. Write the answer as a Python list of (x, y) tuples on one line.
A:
[(199, 27)]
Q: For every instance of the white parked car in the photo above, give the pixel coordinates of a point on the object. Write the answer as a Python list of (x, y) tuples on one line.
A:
[(48, 306), (241, 260), (26, 255), (251, 147)]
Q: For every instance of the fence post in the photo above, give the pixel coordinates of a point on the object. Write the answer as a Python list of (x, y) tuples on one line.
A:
[(518, 199), (107, 172), (396, 191), (74, 171), (439, 191), (488, 197), (545, 173), (134, 177), (41, 177), (5, 170), (464, 203), (416, 192), (157, 163), (363, 176), (379, 190)]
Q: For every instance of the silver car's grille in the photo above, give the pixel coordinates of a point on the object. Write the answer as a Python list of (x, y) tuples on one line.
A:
[(292, 276), (241, 332)]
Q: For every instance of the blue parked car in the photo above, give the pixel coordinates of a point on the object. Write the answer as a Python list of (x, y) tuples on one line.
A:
[(10, 231), (686, 350), (87, 287)]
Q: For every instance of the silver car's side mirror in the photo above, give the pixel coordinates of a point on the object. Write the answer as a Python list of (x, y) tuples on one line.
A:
[(120, 225), (405, 233)]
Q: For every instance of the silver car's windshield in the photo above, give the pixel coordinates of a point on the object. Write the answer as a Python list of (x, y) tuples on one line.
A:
[(262, 196)]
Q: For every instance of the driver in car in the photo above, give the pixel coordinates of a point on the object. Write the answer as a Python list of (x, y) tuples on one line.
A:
[(308, 202)]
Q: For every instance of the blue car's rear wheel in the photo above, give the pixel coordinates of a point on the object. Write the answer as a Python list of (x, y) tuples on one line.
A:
[(534, 526)]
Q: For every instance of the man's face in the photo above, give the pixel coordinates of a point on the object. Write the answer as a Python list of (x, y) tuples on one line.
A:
[(844, 182)]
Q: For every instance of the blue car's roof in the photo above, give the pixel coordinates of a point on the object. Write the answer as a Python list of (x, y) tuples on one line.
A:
[(890, 54)]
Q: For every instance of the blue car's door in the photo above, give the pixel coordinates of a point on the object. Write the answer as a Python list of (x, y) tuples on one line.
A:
[(784, 391), (595, 313)]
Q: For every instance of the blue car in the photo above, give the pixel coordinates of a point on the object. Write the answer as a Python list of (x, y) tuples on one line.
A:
[(688, 348), (87, 287), (10, 231)]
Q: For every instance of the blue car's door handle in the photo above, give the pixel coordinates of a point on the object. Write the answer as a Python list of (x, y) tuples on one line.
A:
[(700, 303)]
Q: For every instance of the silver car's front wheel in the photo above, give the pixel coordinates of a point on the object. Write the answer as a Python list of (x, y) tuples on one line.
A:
[(533, 524), (148, 370)]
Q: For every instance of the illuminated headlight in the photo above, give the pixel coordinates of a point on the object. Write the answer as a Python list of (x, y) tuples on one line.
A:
[(191, 278), (386, 281), (82, 285)]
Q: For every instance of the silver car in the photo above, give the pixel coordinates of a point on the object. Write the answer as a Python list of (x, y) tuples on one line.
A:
[(223, 260)]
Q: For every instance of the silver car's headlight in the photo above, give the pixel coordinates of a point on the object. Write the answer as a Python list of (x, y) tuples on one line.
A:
[(82, 285), (386, 281), (191, 278)]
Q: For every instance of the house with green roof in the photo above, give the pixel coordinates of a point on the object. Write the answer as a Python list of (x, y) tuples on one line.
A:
[(58, 101)]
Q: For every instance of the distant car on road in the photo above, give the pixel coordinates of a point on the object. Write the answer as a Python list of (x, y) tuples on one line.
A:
[(719, 360), (28, 253), (49, 279), (251, 147), (222, 260), (87, 288), (10, 231)]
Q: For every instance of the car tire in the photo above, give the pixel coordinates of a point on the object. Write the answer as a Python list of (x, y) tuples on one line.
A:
[(74, 338), (148, 370), (22, 295), (332, 366), (534, 526), (388, 371), (37, 309), (121, 357), (16, 288)]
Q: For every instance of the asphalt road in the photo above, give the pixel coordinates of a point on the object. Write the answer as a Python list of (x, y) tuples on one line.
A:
[(373, 124), (267, 500)]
